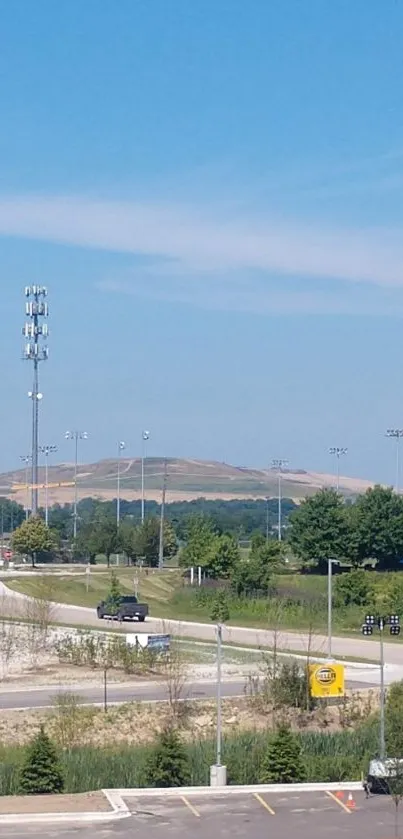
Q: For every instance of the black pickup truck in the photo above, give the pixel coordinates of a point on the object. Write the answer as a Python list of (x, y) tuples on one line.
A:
[(128, 607)]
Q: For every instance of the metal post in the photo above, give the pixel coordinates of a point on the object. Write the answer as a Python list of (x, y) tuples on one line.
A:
[(267, 519), (329, 608), (279, 506), (118, 490), (46, 490), (27, 492), (382, 749), (397, 463), (219, 643), (144, 437), (338, 472), (105, 689), (161, 543), (75, 487)]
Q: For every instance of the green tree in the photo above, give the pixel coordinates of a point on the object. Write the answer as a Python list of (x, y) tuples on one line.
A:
[(168, 765), (146, 541), (33, 537), (114, 596), (254, 575), (201, 543), (41, 773), (219, 609), (223, 557), (354, 588), (376, 527), (318, 528), (282, 763), (11, 515), (99, 538)]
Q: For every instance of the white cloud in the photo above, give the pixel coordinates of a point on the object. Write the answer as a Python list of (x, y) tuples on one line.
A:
[(209, 242)]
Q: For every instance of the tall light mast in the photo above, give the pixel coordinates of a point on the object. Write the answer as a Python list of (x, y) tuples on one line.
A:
[(35, 333)]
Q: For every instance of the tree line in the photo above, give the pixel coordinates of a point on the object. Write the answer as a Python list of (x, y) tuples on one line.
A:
[(368, 530)]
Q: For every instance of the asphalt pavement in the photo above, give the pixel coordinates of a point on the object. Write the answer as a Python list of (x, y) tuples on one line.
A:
[(308, 815)]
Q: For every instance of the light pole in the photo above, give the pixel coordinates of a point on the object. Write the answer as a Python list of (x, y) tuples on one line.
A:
[(34, 331), (396, 434), (47, 450), (144, 437), (394, 629), (76, 436), (338, 451), (267, 518), (279, 464), (121, 447), (25, 458), (329, 606)]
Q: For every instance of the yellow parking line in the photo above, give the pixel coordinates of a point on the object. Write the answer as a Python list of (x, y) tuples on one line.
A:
[(190, 806), (339, 801), (264, 803)]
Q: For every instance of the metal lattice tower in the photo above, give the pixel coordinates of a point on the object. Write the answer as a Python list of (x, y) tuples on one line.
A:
[(35, 333)]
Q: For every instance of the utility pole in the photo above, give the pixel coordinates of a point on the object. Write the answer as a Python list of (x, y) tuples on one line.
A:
[(279, 464), (396, 434), (25, 458), (164, 490), (145, 436), (35, 331), (338, 451), (267, 518), (121, 447), (76, 436), (47, 450)]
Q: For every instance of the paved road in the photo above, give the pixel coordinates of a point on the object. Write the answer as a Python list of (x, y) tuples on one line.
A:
[(44, 697), (295, 641), (306, 815)]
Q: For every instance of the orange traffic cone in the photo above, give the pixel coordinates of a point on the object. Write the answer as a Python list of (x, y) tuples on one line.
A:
[(350, 801), (339, 794)]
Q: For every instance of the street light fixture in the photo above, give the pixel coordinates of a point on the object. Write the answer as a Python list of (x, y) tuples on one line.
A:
[(26, 458), (380, 622), (144, 437), (76, 436), (338, 451), (396, 434), (279, 464), (47, 450)]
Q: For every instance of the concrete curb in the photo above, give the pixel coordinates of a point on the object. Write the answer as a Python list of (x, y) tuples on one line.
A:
[(120, 810), (152, 792)]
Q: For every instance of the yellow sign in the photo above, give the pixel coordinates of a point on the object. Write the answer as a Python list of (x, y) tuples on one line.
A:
[(326, 680)]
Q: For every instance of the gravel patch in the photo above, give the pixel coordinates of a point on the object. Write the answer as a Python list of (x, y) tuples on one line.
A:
[(82, 802)]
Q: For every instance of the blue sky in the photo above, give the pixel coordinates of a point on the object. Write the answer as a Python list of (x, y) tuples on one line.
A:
[(212, 192)]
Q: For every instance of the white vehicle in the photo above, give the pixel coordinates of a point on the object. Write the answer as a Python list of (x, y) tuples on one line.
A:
[(382, 772)]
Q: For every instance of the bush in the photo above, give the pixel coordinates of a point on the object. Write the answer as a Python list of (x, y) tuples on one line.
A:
[(282, 763), (354, 588), (41, 773), (168, 765)]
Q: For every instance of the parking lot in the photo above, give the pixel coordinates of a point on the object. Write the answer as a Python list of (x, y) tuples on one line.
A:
[(306, 814)]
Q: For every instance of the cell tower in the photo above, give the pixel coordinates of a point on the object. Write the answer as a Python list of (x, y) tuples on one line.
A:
[(35, 332)]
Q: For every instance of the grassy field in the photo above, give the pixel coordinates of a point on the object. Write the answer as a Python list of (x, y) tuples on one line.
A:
[(301, 602), (327, 757), (298, 601)]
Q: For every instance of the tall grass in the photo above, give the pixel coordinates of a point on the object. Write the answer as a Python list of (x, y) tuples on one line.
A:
[(328, 757)]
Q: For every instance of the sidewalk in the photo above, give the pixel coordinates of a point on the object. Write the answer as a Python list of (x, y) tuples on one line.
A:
[(78, 807)]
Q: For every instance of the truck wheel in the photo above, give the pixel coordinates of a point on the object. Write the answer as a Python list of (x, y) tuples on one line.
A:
[(141, 619), (100, 614), (120, 617)]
